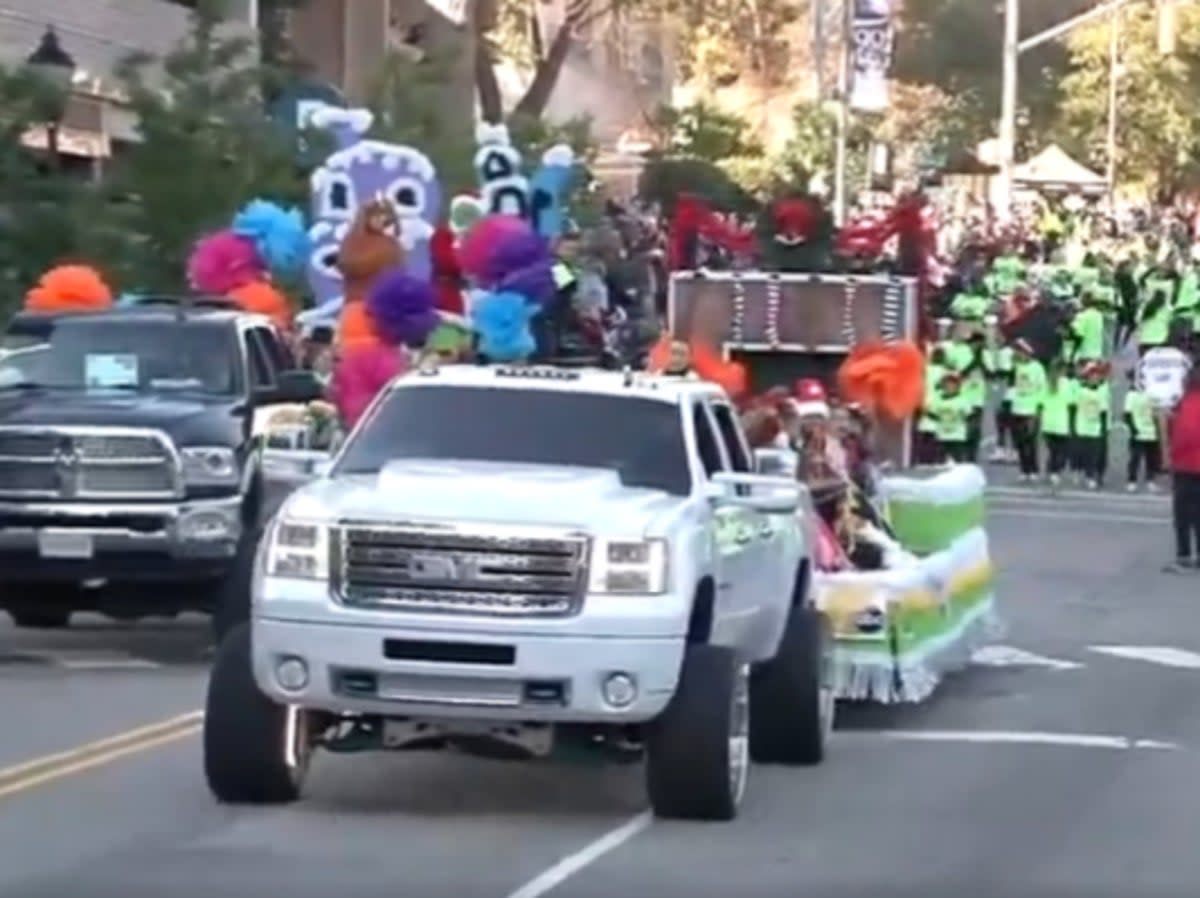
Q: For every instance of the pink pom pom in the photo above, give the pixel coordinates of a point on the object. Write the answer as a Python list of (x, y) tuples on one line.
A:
[(222, 262), (476, 252)]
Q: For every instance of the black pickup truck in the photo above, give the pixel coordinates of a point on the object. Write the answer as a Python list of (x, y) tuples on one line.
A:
[(131, 478)]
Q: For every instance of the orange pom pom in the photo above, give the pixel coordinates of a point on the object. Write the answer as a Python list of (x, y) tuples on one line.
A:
[(708, 364), (262, 298), (69, 288), (887, 379), (355, 328)]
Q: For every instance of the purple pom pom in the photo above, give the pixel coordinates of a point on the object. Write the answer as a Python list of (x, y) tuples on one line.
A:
[(402, 308)]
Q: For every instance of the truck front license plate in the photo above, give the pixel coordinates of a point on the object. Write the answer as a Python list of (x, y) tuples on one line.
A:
[(64, 544)]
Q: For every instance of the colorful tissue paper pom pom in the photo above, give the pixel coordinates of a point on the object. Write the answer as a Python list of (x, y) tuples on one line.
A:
[(355, 329), (279, 236), (478, 251), (502, 322), (401, 307), (261, 298), (361, 373), (222, 262), (69, 288)]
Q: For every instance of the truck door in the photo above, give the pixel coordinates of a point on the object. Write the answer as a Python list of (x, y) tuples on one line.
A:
[(761, 548), (732, 539)]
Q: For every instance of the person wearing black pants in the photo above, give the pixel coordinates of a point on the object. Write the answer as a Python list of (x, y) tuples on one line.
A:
[(1183, 446)]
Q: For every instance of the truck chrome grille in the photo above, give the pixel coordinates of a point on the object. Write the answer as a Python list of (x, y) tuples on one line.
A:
[(87, 463), (452, 570)]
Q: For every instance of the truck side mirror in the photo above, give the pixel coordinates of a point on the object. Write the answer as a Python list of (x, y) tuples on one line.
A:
[(294, 387)]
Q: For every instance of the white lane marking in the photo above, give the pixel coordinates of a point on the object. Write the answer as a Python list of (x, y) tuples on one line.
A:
[(555, 876), (1009, 656), (1021, 737), (1079, 515), (68, 659), (1155, 654), (1031, 492)]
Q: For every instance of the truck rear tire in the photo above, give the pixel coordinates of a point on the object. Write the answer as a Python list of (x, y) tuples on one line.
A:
[(791, 698), (697, 751), (245, 733)]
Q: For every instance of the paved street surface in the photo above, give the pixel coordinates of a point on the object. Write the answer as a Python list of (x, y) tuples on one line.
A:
[(1064, 764)]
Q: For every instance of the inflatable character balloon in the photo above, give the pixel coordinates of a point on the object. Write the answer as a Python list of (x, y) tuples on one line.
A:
[(360, 170)]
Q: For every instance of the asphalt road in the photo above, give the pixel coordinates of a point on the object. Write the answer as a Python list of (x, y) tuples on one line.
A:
[(1064, 764)]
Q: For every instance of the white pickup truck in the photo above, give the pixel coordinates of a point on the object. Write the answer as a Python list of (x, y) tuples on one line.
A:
[(531, 562)]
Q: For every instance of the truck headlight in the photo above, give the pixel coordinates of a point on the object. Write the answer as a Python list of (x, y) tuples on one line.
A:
[(209, 466), (629, 567), (298, 549)]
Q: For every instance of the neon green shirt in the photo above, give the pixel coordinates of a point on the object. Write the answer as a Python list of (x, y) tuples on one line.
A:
[(951, 414), (1028, 385), (1139, 409), (1092, 404), (1056, 405)]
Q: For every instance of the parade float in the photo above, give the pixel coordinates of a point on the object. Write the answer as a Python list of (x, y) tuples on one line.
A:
[(924, 602)]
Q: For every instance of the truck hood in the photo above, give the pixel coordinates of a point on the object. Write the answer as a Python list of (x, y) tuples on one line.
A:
[(543, 495), (188, 419)]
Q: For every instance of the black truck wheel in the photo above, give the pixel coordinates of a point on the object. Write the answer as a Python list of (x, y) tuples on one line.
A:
[(791, 699), (231, 594), (697, 752), (41, 606), (245, 733)]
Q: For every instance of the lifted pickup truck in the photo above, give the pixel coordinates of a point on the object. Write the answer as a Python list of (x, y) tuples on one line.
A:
[(130, 476), (532, 562)]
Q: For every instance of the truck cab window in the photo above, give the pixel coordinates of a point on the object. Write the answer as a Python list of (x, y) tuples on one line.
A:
[(258, 360), (731, 433), (707, 444)]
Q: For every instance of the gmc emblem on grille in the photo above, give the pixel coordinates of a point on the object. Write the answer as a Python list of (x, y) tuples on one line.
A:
[(432, 567), (66, 464)]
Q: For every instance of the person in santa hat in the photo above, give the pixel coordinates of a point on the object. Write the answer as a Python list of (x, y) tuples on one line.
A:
[(823, 458)]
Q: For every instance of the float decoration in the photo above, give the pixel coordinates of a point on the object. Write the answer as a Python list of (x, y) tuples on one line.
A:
[(69, 288), (900, 630), (886, 379), (265, 242)]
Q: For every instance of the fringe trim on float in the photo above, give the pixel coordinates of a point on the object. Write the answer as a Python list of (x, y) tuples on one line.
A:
[(884, 677)]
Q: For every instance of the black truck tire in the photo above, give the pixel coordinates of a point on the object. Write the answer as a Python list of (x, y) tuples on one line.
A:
[(244, 732), (790, 702), (696, 754), (40, 606), (231, 594)]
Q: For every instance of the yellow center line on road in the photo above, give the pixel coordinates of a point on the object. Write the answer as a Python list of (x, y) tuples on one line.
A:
[(40, 771)]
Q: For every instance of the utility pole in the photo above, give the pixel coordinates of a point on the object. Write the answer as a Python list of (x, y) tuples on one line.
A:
[(1008, 106), (846, 61)]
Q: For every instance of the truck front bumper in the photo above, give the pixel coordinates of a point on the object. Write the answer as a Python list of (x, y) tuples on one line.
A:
[(133, 542), (397, 672)]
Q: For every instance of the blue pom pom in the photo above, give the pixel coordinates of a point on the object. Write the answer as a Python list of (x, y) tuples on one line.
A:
[(502, 322), (279, 236)]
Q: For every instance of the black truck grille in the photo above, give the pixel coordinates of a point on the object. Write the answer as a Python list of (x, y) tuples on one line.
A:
[(415, 568), (86, 463)]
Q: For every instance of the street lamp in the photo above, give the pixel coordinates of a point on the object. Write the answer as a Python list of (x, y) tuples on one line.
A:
[(52, 65)]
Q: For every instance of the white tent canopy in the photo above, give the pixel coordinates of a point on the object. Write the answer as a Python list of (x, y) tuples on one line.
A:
[(1054, 169)]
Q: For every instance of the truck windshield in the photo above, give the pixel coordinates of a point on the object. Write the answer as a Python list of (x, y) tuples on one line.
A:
[(142, 356), (641, 439)]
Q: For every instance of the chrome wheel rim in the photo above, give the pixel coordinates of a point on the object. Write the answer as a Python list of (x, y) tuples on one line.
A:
[(739, 735)]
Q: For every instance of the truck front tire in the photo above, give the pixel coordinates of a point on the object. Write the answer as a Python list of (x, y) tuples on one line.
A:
[(697, 751), (231, 598), (41, 606), (791, 704), (245, 733)]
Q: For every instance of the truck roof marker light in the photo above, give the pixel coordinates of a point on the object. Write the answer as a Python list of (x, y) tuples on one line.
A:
[(537, 373)]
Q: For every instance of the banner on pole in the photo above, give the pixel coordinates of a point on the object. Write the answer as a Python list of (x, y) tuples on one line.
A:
[(871, 41)]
